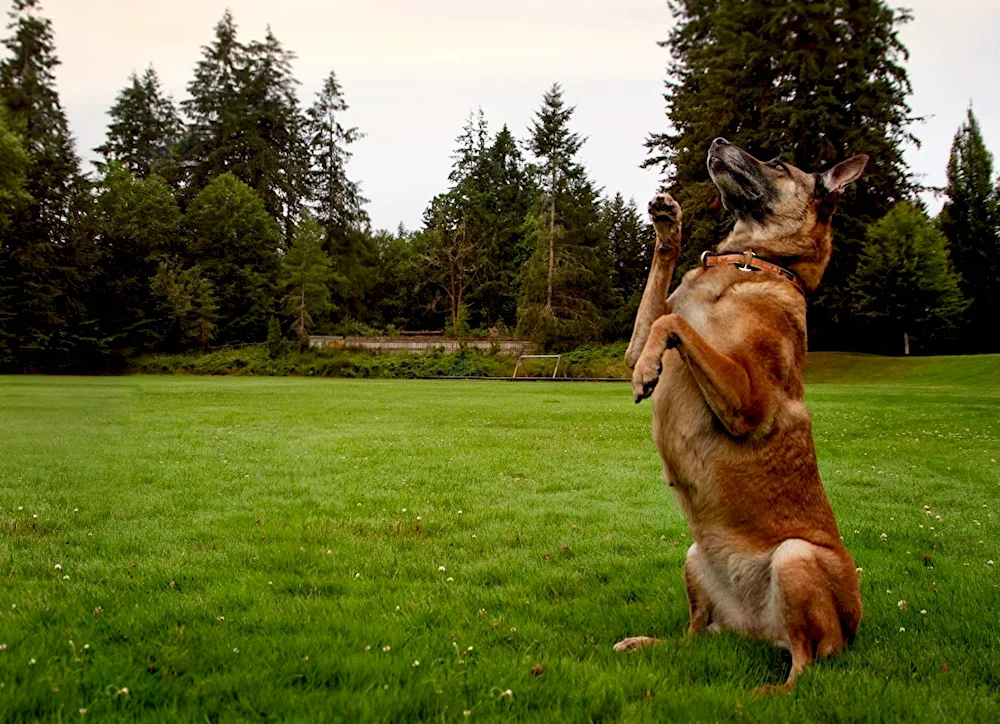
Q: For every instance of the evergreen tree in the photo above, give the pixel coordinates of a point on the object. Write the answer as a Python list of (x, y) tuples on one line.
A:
[(145, 127), (971, 221), (630, 240), (138, 224), (400, 295), (14, 161), (245, 120), (452, 257), (277, 158), (187, 304), (565, 289), (816, 82), (13, 165), (555, 147), (236, 243), (215, 109), (507, 196), (306, 273), (275, 344), (458, 223), (905, 285), (337, 200), (48, 254)]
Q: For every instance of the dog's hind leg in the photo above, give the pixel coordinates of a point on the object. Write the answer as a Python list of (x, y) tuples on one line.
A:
[(803, 607), (666, 215), (699, 601)]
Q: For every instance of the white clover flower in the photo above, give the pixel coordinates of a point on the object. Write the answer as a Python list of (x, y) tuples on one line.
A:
[(441, 569), (58, 567), (416, 664)]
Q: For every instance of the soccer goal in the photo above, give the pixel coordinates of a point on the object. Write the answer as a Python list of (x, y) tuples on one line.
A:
[(556, 357)]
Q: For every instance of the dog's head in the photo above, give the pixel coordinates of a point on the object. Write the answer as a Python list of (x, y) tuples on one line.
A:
[(782, 212)]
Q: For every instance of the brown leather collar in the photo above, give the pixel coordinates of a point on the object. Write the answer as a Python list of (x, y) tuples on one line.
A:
[(750, 262)]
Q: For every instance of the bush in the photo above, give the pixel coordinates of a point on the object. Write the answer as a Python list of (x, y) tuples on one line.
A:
[(593, 361)]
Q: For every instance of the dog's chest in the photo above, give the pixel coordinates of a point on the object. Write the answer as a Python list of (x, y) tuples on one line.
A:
[(684, 425)]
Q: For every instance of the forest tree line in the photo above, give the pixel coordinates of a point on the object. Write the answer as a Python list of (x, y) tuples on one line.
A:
[(231, 214)]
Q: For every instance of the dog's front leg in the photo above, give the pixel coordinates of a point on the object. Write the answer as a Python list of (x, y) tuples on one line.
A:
[(665, 214), (739, 391)]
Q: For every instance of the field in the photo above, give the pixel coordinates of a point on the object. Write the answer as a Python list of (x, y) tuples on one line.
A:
[(233, 549)]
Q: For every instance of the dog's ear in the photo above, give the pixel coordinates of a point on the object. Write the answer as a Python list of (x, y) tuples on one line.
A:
[(846, 172)]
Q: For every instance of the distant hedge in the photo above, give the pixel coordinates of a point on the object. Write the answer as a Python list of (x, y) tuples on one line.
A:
[(603, 361)]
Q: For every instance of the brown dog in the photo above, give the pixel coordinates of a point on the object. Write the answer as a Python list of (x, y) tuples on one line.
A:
[(723, 358)]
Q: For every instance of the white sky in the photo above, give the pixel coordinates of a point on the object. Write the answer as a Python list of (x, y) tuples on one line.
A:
[(413, 69)]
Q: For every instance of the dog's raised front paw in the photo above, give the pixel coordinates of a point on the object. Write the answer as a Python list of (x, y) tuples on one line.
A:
[(664, 209), (644, 378)]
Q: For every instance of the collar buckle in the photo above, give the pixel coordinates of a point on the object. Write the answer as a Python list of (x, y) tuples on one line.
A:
[(747, 264)]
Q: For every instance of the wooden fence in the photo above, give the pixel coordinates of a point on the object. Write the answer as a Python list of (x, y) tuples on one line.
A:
[(417, 345)]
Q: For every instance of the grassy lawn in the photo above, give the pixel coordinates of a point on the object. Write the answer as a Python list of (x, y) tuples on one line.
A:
[(230, 549)]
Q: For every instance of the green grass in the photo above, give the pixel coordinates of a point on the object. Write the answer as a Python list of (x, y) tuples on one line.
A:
[(302, 521)]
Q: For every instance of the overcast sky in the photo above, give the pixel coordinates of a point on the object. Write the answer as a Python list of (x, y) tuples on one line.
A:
[(413, 69)]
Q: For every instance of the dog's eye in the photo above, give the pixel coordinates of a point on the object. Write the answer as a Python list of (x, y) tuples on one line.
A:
[(777, 165)]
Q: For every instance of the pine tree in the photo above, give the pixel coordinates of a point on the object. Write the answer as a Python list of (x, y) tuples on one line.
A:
[(337, 200), (507, 196), (565, 290), (13, 166), (186, 304), (306, 273), (277, 158), (816, 82), (971, 221), (555, 146), (48, 254), (145, 127), (215, 109), (236, 243), (14, 162), (138, 224), (905, 284), (458, 224), (245, 120), (630, 240)]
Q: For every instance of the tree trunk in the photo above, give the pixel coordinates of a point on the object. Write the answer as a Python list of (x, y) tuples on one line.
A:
[(552, 242), (906, 344)]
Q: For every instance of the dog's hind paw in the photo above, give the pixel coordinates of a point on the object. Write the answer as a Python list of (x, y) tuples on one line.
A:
[(635, 643)]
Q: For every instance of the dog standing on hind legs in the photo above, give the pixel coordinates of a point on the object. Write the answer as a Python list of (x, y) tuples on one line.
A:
[(722, 358)]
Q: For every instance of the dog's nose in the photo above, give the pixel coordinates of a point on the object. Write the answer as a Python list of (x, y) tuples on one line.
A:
[(720, 141)]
